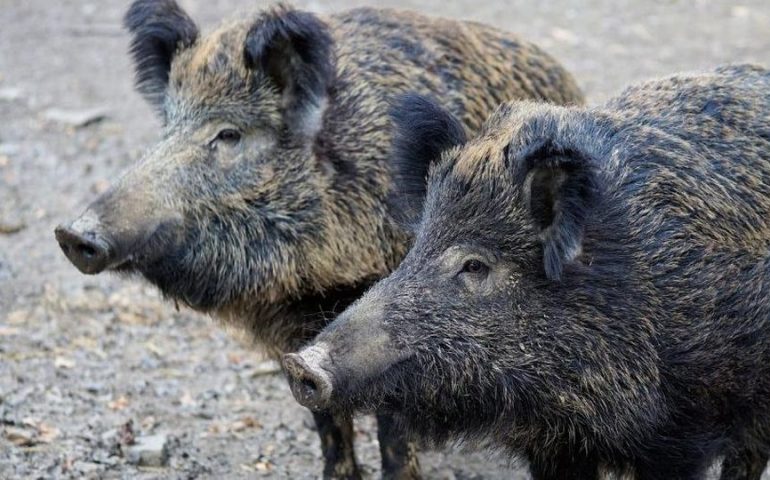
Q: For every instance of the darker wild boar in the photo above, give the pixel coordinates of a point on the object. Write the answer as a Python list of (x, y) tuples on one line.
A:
[(588, 289), (264, 202)]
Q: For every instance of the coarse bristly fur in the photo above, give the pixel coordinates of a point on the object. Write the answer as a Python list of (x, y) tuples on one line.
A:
[(265, 201), (589, 289)]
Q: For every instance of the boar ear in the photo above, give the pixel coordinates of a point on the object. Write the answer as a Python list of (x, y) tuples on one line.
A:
[(560, 188), (295, 50), (422, 131), (159, 29)]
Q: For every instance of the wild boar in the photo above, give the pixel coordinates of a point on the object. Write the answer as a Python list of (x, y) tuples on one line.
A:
[(589, 289), (264, 203)]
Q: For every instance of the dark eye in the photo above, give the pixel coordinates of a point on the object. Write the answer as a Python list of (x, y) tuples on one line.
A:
[(229, 135), (475, 267)]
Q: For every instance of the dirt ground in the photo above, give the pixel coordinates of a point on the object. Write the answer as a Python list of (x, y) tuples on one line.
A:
[(89, 363)]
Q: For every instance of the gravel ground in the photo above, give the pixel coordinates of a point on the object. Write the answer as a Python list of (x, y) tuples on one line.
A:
[(91, 365)]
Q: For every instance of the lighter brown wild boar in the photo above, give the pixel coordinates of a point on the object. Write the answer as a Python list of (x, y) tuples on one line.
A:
[(264, 201)]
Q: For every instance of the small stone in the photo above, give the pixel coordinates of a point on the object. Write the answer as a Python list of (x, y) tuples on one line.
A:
[(9, 149), (63, 362), (149, 451), (565, 36), (93, 387), (8, 227), (100, 186), (263, 464), (10, 94), (88, 9), (76, 118), (740, 11)]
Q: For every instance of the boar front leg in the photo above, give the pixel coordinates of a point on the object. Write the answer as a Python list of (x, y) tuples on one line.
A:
[(399, 457), (743, 464), (564, 466), (336, 432)]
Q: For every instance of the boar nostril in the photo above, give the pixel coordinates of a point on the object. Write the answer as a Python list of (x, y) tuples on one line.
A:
[(311, 389), (86, 250)]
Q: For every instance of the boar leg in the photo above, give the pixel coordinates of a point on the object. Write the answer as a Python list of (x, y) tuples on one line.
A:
[(564, 466), (399, 457), (336, 432), (743, 464)]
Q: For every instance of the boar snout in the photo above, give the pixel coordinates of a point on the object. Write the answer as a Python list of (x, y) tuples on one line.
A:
[(310, 382), (84, 245), (137, 218), (354, 349)]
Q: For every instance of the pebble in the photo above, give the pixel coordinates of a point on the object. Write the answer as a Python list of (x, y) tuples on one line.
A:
[(9, 149), (10, 93), (149, 451)]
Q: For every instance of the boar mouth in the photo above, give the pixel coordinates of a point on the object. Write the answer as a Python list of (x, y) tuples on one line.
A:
[(144, 250), (387, 391)]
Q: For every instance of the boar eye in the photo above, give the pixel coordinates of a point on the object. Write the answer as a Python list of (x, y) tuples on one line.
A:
[(475, 267), (229, 136)]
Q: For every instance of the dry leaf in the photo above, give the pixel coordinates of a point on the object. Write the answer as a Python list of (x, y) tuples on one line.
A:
[(47, 433), (187, 400), (100, 186), (8, 331), (126, 435), (84, 342), (17, 317), (20, 437), (244, 424), (234, 358), (118, 404), (63, 362), (154, 349), (131, 318), (148, 423)]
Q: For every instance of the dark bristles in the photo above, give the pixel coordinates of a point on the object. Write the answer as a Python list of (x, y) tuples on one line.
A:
[(159, 28)]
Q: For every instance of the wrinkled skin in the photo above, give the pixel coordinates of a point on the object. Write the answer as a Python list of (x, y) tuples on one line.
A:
[(264, 203), (588, 289)]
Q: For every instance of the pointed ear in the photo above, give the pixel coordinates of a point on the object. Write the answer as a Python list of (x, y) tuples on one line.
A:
[(422, 131), (295, 50), (560, 188), (159, 28)]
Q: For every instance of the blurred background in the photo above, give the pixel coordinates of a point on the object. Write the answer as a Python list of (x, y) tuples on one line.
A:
[(89, 365)]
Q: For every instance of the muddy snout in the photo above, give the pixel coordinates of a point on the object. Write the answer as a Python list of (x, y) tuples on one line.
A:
[(84, 245), (310, 382)]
